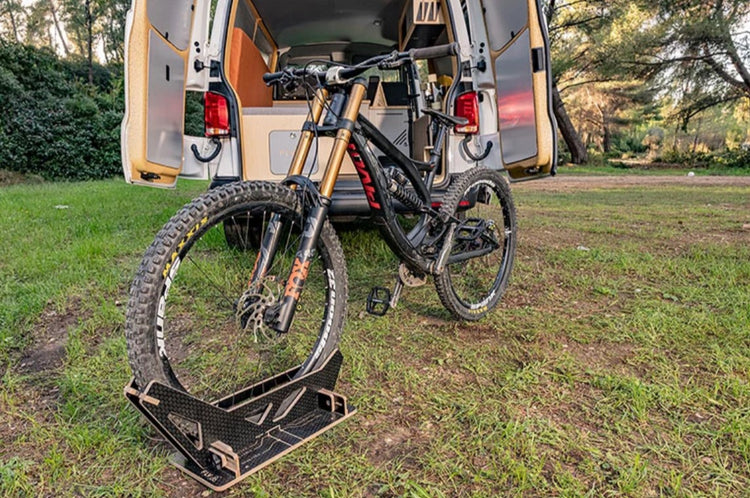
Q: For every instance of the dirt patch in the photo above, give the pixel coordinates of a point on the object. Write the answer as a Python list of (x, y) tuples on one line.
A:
[(604, 355), (389, 445), (179, 484), (41, 360), (13, 178), (50, 338), (30, 406), (572, 183)]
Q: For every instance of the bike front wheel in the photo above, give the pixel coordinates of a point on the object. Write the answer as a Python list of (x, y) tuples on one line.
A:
[(484, 244), (196, 323)]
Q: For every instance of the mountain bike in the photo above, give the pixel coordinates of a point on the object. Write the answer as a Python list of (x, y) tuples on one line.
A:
[(249, 279)]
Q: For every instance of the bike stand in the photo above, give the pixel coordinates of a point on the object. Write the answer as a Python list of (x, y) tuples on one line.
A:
[(223, 442)]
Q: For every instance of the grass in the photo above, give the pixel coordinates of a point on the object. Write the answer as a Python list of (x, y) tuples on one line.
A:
[(601, 166), (617, 364)]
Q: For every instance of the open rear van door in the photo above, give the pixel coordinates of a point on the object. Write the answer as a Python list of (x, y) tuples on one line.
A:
[(519, 50), (164, 41)]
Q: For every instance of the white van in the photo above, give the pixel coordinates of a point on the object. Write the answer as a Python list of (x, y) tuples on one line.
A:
[(222, 48)]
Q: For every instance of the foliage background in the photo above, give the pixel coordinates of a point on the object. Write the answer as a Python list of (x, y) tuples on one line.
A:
[(638, 81), (54, 125)]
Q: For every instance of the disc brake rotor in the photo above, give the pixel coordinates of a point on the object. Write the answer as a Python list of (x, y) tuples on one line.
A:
[(252, 305)]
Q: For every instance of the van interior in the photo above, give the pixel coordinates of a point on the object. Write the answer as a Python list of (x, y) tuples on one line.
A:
[(265, 38), (168, 48)]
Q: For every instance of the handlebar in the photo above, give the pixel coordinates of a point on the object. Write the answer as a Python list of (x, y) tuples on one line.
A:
[(271, 78), (434, 52), (340, 74)]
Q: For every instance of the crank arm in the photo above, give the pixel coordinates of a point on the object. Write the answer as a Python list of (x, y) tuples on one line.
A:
[(465, 256)]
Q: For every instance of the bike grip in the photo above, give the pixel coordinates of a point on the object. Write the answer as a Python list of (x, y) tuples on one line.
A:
[(434, 52), (270, 78)]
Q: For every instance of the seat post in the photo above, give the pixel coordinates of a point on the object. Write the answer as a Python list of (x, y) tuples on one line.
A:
[(436, 154)]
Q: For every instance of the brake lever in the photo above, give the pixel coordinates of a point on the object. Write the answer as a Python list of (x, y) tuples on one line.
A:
[(288, 80), (392, 62)]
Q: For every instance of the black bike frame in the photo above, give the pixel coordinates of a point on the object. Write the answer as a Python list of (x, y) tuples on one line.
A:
[(352, 133), (376, 185)]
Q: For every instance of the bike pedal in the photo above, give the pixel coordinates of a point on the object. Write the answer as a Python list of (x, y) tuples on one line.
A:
[(379, 301)]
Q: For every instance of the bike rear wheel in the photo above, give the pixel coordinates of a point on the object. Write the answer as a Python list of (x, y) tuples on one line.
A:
[(194, 322), (471, 288)]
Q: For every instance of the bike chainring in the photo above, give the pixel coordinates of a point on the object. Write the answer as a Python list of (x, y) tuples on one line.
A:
[(409, 278)]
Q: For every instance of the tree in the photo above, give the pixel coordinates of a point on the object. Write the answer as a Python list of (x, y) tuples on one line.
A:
[(96, 23), (111, 28), (573, 25), (592, 90), (699, 49), (604, 110), (56, 21), (45, 28), (12, 14)]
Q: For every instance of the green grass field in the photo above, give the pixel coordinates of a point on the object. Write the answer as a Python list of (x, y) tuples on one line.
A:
[(600, 166), (617, 364)]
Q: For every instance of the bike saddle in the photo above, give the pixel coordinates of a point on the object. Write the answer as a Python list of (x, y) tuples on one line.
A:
[(446, 119)]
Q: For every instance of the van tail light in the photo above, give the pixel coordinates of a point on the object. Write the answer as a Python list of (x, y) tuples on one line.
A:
[(216, 114), (467, 106)]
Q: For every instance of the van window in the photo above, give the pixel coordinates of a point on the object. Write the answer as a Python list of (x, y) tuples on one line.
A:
[(505, 20), (264, 45), (248, 23)]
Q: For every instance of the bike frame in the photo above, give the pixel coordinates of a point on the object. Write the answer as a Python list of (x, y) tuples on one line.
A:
[(352, 133)]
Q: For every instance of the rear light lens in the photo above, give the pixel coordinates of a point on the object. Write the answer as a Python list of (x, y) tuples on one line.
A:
[(216, 113), (467, 106)]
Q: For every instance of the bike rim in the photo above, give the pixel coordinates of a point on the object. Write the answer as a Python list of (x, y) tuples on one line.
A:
[(478, 282), (210, 331)]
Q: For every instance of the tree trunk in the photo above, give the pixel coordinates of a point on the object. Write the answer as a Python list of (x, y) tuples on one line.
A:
[(578, 152), (13, 24), (607, 140), (56, 21), (697, 136), (89, 25), (606, 132)]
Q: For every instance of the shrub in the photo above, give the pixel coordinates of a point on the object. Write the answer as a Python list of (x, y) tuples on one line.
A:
[(735, 158), (54, 125)]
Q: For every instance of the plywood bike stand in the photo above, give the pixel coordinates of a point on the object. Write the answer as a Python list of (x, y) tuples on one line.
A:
[(221, 443)]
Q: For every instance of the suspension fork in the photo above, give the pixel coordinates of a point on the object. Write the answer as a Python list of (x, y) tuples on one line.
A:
[(279, 317), (272, 234)]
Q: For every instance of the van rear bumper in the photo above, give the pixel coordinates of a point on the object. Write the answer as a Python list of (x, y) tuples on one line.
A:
[(349, 199)]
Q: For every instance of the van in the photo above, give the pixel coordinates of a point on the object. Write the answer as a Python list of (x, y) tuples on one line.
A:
[(221, 49)]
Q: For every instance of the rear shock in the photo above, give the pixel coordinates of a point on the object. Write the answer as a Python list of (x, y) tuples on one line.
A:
[(397, 183)]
